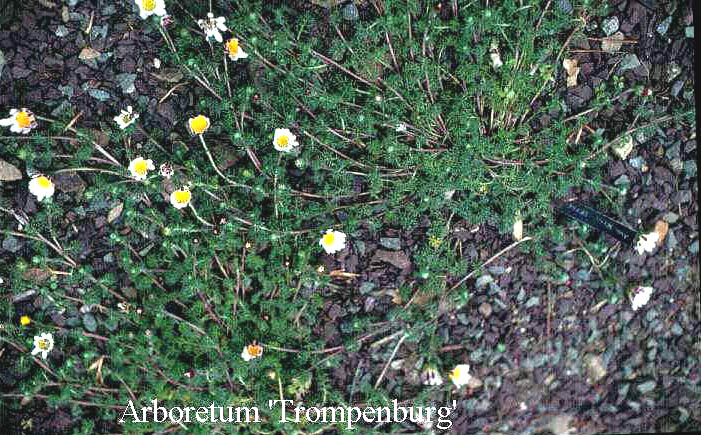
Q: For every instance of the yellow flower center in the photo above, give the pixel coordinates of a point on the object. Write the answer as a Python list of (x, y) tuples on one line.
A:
[(43, 344), (328, 239), (23, 119), (148, 5), (199, 124), (182, 196), (254, 350), (455, 373), (141, 167), (282, 141), (232, 46), (25, 320), (43, 182)]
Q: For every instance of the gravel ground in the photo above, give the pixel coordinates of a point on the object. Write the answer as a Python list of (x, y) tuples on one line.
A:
[(551, 349)]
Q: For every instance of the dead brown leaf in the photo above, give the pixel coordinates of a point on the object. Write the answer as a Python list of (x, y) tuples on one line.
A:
[(88, 53), (343, 274), (572, 69), (115, 212), (661, 228), (97, 365), (518, 229), (396, 297)]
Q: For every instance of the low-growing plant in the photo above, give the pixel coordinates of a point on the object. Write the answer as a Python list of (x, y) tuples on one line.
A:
[(403, 116)]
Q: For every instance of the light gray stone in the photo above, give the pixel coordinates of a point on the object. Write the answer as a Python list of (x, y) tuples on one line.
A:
[(664, 26), (610, 25)]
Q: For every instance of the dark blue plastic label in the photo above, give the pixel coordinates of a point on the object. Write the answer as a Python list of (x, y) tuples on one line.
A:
[(589, 216)]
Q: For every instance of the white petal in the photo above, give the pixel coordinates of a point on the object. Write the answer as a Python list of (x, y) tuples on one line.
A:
[(160, 8), (217, 36), (7, 121), (36, 350)]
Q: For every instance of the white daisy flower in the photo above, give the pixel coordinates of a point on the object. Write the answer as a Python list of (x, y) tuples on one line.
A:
[(431, 376), (41, 187), (639, 296), (460, 375), (333, 241), (139, 168), (181, 198), (43, 344), (211, 26), (233, 49), (198, 125), (151, 7), (401, 128), (20, 121), (284, 140), (166, 170), (647, 242), (252, 351), (126, 118)]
